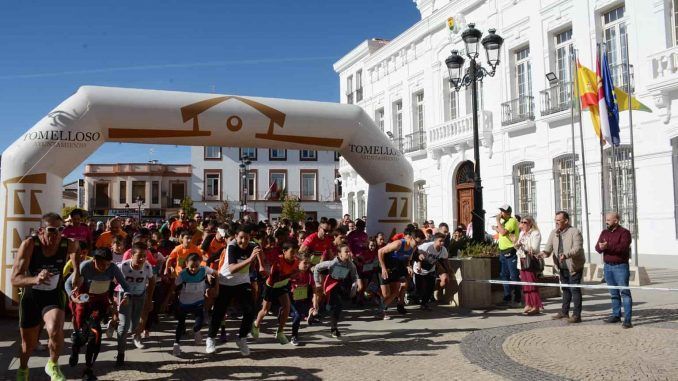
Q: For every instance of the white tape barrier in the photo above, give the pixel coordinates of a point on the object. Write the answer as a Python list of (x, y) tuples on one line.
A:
[(564, 285)]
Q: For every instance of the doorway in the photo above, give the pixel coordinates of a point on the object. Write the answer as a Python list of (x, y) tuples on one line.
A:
[(464, 187)]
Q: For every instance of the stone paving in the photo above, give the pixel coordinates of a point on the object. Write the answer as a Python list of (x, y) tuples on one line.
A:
[(444, 344)]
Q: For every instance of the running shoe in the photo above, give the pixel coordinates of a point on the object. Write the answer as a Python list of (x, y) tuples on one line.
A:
[(336, 334), (294, 341), (22, 374), (280, 336), (255, 332), (401, 309), (210, 345), (54, 372), (138, 343), (120, 360), (88, 375), (197, 338), (146, 334), (176, 349), (242, 345)]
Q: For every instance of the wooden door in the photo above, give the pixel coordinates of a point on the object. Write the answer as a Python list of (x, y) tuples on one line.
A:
[(464, 205)]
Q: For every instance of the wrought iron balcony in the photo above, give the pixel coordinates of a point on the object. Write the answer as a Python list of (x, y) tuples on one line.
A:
[(556, 98), (415, 141), (517, 110)]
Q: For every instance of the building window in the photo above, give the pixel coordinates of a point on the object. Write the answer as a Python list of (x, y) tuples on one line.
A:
[(618, 183), (525, 191), (359, 86), (674, 156), (451, 101), (420, 199), (212, 186), (309, 185), (468, 97), (138, 191), (564, 172), (177, 193), (276, 184), (419, 112), (398, 124), (523, 73), (361, 205), (337, 185), (250, 186), (674, 21), (614, 34), (564, 49), (379, 118), (123, 192), (212, 153), (351, 204), (249, 153), (349, 89), (308, 155), (277, 154), (155, 192)]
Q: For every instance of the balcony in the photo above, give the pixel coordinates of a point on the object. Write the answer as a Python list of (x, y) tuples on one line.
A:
[(459, 131), (415, 142), (517, 110), (556, 98)]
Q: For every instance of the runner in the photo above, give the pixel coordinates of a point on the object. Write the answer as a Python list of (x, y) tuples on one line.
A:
[(431, 259), (367, 264), (139, 276), (394, 261), (277, 288), (179, 225), (316, 244), (192, 283), (78, 230), (337, 269), (176, 261), (234, 284), (89, 294), (37, 270), (302, 285), (115, 230)]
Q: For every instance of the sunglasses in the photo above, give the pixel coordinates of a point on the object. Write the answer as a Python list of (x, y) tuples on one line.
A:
[(53, 230)]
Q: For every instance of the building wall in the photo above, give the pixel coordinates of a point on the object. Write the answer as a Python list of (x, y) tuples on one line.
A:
[(414, 62), (327, 205)]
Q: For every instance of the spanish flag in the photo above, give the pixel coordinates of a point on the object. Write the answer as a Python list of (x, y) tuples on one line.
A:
[(587, 83)]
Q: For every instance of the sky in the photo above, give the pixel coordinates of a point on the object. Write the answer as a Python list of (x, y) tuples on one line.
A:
[(268, 48)]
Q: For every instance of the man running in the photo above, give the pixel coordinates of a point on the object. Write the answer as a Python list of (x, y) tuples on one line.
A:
[(37, 270)]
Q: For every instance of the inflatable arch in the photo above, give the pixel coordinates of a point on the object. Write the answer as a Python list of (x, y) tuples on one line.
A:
[(34, 166)]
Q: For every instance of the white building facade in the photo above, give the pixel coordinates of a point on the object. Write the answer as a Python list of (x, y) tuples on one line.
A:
[(244, 177), (526, 154)]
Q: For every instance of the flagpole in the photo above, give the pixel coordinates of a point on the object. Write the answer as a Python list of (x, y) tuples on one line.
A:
[(633, 156), (574, 153), (583, 166), (602, 158)]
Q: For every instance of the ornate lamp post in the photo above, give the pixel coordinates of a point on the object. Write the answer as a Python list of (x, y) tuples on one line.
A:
[(244, 169), (472, 75), (140, 203)]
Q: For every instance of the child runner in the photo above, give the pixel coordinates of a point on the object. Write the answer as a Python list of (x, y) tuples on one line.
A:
[(431, 258), (277, 288), (367, 264), (192, 281), (394, 260), (176, 261), (90, 297), (338, 269), (234, 284), (302, 285), (139, 276)]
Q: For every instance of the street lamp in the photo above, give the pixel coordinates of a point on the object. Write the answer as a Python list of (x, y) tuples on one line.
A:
[(472, 75), (140, 203), (244, 169)]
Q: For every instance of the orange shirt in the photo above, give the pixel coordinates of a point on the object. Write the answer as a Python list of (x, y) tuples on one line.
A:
[(178, 226), (197, 238), (177, 257), (106, 239), (281, 271)]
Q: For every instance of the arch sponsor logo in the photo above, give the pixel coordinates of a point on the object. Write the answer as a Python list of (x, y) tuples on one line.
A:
[(375, 152), (61, 136)]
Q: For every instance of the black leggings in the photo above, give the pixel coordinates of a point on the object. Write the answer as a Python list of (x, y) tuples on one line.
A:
[(242, 293), (425, 287), (90, 334), (198, 310), (335, 303)]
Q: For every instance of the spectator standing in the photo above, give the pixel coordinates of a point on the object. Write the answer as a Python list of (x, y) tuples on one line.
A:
[(507, 230), (527, 249)]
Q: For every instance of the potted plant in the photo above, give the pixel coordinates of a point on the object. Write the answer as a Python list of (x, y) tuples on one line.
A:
[(478, 261)]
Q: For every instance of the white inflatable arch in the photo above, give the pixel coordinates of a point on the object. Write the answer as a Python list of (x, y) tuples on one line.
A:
[(34, 166)]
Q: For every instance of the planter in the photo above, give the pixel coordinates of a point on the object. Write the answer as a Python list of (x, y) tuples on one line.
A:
[(477, 295)]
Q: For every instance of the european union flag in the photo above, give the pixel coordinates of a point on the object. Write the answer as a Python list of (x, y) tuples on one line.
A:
[(610, 102)]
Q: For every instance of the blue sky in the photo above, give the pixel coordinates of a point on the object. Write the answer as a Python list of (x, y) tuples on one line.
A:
[(270, 48)]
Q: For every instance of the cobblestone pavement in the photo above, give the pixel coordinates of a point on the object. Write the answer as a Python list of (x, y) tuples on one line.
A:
[(445, 344)]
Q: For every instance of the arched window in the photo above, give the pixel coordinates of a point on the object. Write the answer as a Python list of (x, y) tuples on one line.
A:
[(361, 205), (564, 173), (351, 204), (618, 183), (525, 189), (420, 200)]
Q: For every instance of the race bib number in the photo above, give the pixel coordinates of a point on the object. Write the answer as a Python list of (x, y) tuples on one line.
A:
[(315, 259), (244, 270), (300, 293), (99, 286), (194, 287), (339, 272), (281, 283), (53, 283)]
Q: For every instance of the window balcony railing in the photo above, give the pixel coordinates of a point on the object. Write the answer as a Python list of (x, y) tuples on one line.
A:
[(517, 110), (398, 143), (415, 141), (556, 98), (359, 94)]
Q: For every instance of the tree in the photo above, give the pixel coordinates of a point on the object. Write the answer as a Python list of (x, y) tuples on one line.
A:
[(187, 207), (66, 211), (292, 210), (223, 212)]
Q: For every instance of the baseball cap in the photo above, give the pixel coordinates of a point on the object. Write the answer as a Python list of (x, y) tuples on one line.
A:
[(505, 208)]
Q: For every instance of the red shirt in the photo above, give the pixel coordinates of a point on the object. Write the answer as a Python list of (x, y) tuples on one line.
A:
[(317, 245), (357, 242), (282, 270)]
